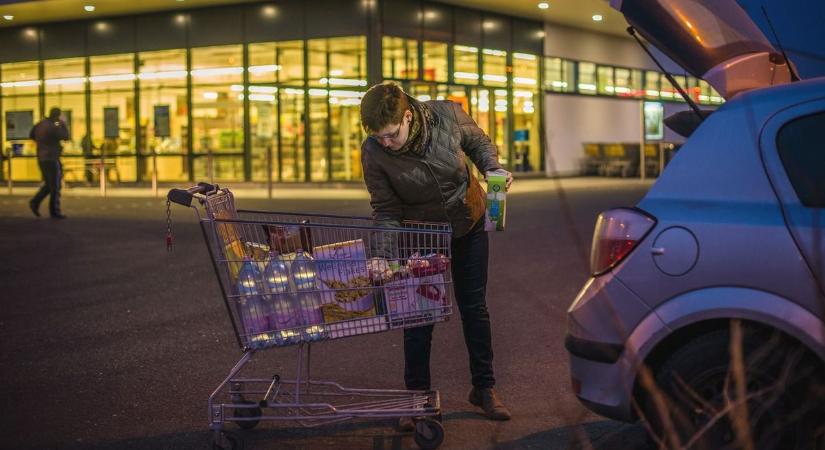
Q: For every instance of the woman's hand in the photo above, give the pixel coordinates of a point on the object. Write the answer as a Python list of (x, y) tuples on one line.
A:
[(503, 173)]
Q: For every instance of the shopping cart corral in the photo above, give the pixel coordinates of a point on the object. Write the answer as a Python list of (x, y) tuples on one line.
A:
[(293, 280)]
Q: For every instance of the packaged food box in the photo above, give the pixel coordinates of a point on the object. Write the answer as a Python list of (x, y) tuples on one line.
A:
[(496, 202), (416, 297), (344, 282)]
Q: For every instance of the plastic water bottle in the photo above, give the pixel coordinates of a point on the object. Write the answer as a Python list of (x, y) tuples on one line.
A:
[(251, 305), (303, 272), (308, 297), (284, 310)]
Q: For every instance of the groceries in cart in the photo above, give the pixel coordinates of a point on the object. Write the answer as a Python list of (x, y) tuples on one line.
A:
[(294, 279)]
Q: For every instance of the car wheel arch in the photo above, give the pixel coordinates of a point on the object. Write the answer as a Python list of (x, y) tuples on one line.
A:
[(695, 313)]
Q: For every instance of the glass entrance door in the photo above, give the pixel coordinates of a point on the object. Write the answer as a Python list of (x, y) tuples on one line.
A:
[(290, 161), (489, 110), (263, 124)]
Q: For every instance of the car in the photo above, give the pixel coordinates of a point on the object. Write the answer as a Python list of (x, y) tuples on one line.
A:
[(704, 314)]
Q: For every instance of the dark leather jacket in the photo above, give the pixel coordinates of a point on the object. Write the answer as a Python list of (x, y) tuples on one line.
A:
[(437, 186), (48, 134)]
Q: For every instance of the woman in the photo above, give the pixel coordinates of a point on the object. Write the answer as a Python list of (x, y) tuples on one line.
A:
[(415, 169)]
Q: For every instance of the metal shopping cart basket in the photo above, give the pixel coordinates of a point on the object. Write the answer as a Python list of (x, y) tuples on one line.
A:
[(296, 279)]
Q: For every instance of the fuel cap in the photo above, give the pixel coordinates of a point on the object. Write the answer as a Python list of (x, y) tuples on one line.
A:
[(675, 251)]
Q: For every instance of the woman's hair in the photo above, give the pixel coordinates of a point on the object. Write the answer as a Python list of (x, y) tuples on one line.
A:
[(382, 105)]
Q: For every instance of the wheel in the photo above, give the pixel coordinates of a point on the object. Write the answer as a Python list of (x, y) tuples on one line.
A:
[(429, 434), (247, 412), (697, 385), (227, 441)]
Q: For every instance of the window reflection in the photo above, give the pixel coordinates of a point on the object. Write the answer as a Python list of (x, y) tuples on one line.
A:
[(466, 64), (587, 78), (20, 88), (163, 119), (435, 61), (400, 58), (217, 113), (494, 63)]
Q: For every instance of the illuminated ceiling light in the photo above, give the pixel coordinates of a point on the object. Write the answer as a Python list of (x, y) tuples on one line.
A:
[(269, 11), (464, 48), (265, 68), (466, 75), (496, 78), (489, 25), (490, 52), (89, 8), (209, 95), (8, 17), (430, 15), (524, 56), (336, 72), (102, 26), (597, 17), (543, 5), (166, 75)]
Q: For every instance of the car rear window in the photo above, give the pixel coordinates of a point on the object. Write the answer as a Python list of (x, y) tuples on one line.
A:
[(801, 144)]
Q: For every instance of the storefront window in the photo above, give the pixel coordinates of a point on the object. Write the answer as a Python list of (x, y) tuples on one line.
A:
[(65, 89), (525, 71), (587, 78), (400, 58), (435, 61), (526, 120), (263, 123), (559, 75), (652, 80), (163, 118), (217, 112), (605, 80), (113, 113), (291, 158), (20, 88), (466, 64), (263, 65), (494, 63), (290, 60)]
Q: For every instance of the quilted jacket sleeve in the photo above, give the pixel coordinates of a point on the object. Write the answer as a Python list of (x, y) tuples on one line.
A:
[(387, 209)]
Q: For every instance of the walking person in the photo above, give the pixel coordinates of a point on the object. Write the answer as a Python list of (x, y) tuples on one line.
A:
[(415, 169), (47, 134)]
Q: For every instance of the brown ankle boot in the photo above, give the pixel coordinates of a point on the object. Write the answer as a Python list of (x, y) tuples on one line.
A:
[(486, 399)]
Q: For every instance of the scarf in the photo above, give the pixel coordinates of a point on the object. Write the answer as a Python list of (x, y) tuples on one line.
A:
[(418, 141)]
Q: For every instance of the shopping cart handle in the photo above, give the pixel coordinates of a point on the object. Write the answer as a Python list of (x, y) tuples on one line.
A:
[(184, 196)]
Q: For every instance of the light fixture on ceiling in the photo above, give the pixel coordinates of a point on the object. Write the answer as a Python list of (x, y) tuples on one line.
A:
[(597, 17), (89, 8), (8, 17), (543, 5)]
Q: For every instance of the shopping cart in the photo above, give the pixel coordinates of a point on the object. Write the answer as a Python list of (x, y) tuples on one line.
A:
[(296, 279)]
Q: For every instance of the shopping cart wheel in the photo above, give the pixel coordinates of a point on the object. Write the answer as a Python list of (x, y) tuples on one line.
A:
[(227, 441), (247, 413), (429, 434)]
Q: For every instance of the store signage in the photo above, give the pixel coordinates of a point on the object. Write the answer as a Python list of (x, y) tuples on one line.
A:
[(111, 125), (162, 121), (19, 124)]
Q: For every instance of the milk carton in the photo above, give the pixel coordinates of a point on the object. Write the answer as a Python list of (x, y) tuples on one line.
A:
[(496, 198)]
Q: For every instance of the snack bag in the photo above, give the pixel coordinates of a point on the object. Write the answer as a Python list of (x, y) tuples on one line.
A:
[(496, 202)]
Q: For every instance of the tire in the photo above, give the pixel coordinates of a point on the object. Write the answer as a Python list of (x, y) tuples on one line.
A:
[(245, 413), (694, 381), (429, 434)]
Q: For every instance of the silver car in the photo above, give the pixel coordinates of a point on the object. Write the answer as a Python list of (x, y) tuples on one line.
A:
[(705, 311)]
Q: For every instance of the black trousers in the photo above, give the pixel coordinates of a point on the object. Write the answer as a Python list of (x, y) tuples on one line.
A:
[(469, 269), (52, 173)]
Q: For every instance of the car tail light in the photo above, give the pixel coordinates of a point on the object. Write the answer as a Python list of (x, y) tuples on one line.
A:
[(618, 231)]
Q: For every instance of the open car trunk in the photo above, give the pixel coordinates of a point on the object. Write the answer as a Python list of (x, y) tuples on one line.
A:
[(714, 40)]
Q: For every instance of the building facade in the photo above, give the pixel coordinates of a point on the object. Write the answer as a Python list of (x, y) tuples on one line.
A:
[(270, 91)]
